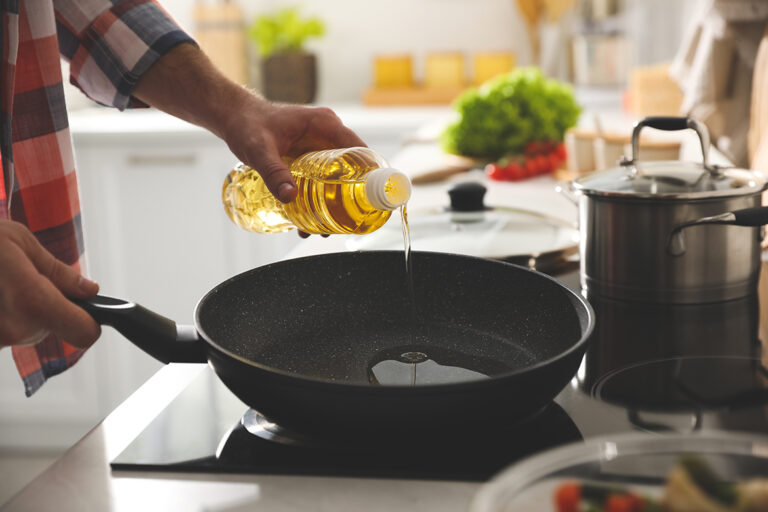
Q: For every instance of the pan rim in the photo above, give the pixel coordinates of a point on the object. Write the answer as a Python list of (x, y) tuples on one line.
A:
[(578, 346)]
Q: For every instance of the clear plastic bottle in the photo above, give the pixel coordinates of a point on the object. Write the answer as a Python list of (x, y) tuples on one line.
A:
[(341, 191)]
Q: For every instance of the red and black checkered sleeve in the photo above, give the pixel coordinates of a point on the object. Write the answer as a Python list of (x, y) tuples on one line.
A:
[(110, 45)]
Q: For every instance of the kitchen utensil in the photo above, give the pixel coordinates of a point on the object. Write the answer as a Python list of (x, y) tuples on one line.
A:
[(599, 59), (468, 227), (302, 341), (630, 218), (638, 461)]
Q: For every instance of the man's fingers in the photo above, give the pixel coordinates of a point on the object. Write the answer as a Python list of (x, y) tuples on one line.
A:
[(279, 180), (346, 138), (39, 304), (64, 318), (327, 124), (36, 289), (64, 277), (276, 174)]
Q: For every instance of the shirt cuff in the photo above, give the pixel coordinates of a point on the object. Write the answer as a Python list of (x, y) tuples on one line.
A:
[(110, 54)]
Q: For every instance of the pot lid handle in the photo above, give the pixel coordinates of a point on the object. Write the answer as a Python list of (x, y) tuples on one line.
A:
[(467, 197), (670, 124)]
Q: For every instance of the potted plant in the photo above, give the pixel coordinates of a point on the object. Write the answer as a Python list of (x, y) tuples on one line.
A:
[(289, 72)]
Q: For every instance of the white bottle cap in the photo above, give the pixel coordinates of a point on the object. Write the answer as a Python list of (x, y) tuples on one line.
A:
[(387, 188)]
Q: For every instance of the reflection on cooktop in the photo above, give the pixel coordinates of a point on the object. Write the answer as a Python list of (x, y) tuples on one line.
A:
[(688, 383), (681, 367), (184, 438), (630, 333)]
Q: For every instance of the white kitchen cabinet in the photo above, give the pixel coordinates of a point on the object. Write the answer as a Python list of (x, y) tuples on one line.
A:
[(155, 233)]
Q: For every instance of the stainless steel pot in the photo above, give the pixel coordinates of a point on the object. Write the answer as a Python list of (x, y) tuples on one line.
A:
[(654, 231)]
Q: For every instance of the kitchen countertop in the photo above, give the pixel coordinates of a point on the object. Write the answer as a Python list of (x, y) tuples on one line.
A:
[(101, 123), (81, 480)]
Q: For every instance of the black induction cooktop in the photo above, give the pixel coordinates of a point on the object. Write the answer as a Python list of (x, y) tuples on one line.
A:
[(207, 429), (649, 367)]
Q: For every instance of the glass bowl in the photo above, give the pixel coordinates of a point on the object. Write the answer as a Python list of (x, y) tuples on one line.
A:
[(638, 461)]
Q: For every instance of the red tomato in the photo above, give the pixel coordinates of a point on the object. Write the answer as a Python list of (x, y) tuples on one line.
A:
[(514, 171), (531, 166), (532, 148), (568, 497), (561, 152), (543, 164), (622, 503), (554, 161), (494, 171)]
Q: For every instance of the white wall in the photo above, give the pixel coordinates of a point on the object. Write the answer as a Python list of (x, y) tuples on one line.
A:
[(356, 30), (656, 37)]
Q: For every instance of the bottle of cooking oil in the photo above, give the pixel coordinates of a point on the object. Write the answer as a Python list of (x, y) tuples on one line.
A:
[(341, 191)]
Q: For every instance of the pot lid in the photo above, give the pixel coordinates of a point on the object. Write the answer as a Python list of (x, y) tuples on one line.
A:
[(671, 180), (469, 227)]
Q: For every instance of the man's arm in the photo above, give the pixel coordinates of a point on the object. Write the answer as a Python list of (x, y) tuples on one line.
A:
[(185, 84)]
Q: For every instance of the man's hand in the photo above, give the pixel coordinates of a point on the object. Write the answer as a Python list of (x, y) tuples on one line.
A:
[(34, 287), (261, 133), (185, 84)]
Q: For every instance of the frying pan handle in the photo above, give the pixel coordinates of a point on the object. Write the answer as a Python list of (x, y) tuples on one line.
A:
[(155, 334)]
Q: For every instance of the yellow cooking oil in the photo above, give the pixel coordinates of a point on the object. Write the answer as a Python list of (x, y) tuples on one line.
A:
[(340, 191)]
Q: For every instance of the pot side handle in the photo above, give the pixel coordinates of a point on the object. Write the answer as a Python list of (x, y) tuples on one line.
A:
[(158, 336), (567, 191), (749, 217), (757, 216)]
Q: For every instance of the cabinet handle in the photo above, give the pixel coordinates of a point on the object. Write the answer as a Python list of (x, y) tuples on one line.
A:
[(161, 160)]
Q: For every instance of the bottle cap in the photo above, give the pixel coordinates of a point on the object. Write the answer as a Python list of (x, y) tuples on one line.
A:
[(387, 188)]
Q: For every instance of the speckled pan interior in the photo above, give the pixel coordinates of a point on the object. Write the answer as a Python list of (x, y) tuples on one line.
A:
[(332, 317)]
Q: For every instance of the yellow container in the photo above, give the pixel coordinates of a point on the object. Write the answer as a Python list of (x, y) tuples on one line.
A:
[(490, 64), (391, 71), (444, 71)]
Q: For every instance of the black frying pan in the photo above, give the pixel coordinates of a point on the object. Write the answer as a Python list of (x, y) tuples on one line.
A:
[(330, 345)]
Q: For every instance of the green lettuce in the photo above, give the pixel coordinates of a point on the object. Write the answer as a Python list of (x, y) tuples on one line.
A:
[(504, 114)]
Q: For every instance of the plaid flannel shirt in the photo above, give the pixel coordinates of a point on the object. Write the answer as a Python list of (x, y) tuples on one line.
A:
[(109, 45)]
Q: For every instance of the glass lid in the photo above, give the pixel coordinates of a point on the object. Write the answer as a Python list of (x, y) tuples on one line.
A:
[(671, 179), (476, 230)]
